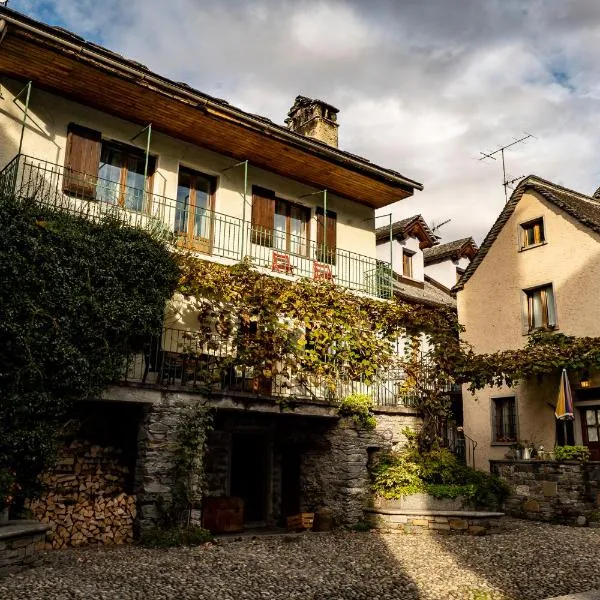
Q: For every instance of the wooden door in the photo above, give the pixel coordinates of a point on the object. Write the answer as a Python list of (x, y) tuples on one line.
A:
[(194, 217), (590, 423)]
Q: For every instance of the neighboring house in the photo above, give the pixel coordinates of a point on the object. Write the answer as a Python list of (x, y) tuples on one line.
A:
[(538, 268), (446, 263), (405, 246), (94, 130)]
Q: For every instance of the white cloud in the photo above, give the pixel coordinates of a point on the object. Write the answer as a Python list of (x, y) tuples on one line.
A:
[(422, 87)]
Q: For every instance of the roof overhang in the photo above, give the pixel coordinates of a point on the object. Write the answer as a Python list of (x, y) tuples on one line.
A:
[(66, 65)]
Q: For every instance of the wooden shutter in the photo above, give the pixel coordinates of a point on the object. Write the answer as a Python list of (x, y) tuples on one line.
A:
[(326, 240), (82, 160), (263, 216)]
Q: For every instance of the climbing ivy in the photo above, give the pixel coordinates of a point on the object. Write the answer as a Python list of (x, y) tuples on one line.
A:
[(77, 297)]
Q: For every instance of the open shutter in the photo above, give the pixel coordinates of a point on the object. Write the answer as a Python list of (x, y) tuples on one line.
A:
[(263, 216), (326, 240), (82, 159)]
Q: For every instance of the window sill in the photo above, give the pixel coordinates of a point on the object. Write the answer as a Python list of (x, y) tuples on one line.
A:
[(524, 248), (542, 329)]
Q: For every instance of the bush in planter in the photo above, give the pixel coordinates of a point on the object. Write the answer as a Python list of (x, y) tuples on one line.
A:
[(581, 453), (438, 473), (359, 407)]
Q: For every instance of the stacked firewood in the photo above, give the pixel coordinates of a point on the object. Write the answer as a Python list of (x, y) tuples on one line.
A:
[(84, 501)]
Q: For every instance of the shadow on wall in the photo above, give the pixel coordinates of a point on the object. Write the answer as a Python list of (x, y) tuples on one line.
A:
[(39, 123)]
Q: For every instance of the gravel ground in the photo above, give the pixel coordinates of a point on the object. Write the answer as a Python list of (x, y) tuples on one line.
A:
[(528, 561)]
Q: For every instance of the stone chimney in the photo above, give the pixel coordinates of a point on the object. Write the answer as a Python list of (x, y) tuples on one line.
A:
[(315, 119)]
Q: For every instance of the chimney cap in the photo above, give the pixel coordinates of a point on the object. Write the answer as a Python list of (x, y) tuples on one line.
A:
[(304, 102)]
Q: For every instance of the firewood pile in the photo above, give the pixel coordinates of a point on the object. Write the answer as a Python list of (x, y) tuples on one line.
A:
[(83, 499)]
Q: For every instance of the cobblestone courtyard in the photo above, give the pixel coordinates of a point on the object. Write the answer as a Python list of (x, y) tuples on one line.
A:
[(528, 561)]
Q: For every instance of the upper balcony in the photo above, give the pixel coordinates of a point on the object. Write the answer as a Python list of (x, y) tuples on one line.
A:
[(190, 225)]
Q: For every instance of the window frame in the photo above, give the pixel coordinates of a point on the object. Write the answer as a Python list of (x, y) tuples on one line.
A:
[(305, 240), (527, 295), (407, 257), (507, 440), (522, 233), (186, 238), (128, 151)]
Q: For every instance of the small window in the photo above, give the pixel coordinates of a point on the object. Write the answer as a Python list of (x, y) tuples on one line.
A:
[(504, 417), (541, 310), (407, 263), (532, 233)]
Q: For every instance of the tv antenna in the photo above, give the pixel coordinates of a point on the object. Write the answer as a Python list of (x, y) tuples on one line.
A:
[(435, 226), (506, 182)]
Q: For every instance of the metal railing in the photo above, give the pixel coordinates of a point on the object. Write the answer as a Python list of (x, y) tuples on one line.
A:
[(178, 359), (205, 231), (93, 197), (297, 255)]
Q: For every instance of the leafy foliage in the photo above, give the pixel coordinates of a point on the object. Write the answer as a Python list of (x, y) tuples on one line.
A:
[(545, 353), (189, 451), (359, 407), (175, 536), (438, 473), (77, 297), (581, 453)]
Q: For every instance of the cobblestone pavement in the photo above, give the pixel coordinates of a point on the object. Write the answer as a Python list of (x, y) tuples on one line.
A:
[(528, 561)]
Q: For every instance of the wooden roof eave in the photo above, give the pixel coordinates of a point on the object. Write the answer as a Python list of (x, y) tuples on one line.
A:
[(71, 74)]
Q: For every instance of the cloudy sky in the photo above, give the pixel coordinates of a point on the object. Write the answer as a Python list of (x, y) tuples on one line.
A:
[(423, 86)]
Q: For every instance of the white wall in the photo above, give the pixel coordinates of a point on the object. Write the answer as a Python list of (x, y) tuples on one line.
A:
[(444, 272), (411, 244)]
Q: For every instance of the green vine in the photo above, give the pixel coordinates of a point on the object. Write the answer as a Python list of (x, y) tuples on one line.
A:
[(193, 427), (360, 408), (77, 297)]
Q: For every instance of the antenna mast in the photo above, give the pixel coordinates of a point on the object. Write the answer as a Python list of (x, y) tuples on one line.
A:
[(506, 182)]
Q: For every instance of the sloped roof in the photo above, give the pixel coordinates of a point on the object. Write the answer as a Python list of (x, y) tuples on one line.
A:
[(415, 225), (584, 209), (429, 294), (463, 247)]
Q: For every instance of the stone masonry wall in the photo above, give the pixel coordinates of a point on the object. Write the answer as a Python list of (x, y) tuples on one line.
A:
[(554, 491), (335, 470), (19, 542)]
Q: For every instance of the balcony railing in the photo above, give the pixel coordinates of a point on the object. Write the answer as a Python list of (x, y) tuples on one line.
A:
[(205, 231), (177, 360)]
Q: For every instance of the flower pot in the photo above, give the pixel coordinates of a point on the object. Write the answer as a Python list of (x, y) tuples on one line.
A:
[(518, 454), (4, 516), (526, 453)]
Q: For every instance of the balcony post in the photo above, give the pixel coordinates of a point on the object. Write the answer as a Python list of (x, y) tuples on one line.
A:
[(27, 97)]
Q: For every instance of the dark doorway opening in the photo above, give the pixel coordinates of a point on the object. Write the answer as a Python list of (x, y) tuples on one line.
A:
[(290, 482), (250, 475)]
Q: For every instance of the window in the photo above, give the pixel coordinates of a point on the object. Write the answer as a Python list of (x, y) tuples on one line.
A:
[(326, 236), (541, 311), (291, 227), (504, 420), (407, 263), (193, 216), (592, 425), (279, 224), (532, 233), (104, 170)]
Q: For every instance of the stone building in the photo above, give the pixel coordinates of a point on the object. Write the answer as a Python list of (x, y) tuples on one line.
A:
[(88, 130)]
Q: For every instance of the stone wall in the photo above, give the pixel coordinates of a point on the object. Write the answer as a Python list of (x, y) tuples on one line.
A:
[(19, 541), (334, 457), (553, 491)]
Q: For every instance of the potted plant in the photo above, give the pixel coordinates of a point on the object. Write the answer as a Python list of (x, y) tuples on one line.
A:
[(517, 450), (8, 487), (527, 450)]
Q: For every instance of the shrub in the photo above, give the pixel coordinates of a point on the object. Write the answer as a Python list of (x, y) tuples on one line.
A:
[(438, 473), (359, 407), (175, 536), (581, 453)]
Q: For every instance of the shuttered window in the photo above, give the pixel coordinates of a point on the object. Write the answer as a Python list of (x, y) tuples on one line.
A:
[(407, 263), (541, 311), (505, 419), (532, 233), (326, 236), (82, 159), (263, 216)]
